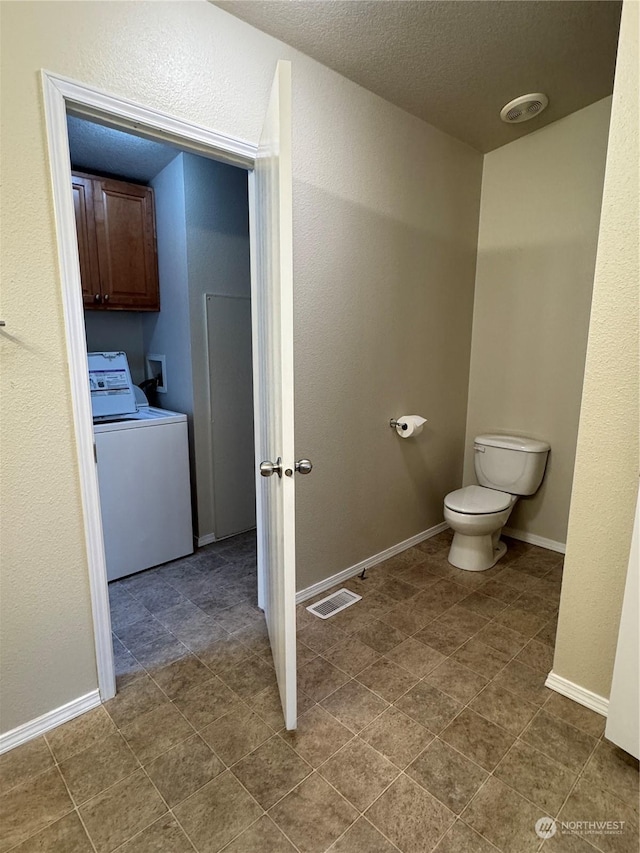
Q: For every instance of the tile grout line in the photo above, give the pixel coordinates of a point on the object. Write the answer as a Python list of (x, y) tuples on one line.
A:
[(437, 736), (169, 811), (392, 704), (72, 810), (401, 771), (464, 706), (459, 602), (229, 767), (244, 702), (253, 823), (77, 811), (197, 733), (177, 589), (273, 805), (51, 753), (56, 764), (74, 807), (475, 796), (517, 738), (377, 829), (518, 793), (298, 784), (326, 781), (484, 837), (200, 683), (579, 776)]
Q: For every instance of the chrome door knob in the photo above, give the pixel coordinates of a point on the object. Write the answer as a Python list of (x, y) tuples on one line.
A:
[(268, 469), (303, 466)]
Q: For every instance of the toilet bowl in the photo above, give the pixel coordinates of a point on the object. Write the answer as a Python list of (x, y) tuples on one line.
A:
[(507, 466), (477, 516)]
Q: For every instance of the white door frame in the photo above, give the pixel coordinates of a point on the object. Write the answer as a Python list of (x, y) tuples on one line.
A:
[(61, 93)]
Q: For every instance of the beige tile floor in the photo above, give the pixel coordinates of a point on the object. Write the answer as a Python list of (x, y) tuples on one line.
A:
[(424, 723)]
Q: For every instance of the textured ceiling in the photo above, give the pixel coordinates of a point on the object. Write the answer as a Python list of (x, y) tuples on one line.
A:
[(97, 148), (455, 63)]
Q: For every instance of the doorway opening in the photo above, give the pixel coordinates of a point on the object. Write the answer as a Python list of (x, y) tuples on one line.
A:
[(271, 272), (64, 97), (163, 239)]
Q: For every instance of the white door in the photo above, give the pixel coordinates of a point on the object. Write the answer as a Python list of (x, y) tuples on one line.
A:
[(272, 312)]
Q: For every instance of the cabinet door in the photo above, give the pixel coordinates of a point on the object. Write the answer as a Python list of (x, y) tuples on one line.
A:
[(125, 232), (87, 249)]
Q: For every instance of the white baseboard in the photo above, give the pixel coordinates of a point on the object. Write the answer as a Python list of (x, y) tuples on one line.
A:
[(579, 694), (209, 538), (534, 539), (345, 574), (35, 728)]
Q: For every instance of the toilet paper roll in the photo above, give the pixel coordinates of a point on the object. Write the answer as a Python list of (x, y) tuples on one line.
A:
[(414, 425)]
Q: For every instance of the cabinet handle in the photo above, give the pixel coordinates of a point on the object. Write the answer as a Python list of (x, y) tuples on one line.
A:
[(106, 297), (97, 297)]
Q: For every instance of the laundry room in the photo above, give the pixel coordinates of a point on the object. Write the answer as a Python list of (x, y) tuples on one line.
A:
[(163, 240)]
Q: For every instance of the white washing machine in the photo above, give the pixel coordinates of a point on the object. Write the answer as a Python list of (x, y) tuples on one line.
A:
[(143, 471)]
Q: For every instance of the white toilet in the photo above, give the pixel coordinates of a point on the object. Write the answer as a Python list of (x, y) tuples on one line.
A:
[(507, 466)]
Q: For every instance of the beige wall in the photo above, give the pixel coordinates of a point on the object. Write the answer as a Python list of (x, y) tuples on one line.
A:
[(606, 471), (539, 218), (385, 224)]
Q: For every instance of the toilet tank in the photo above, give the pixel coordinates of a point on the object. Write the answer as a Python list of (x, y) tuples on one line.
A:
[(510, 463)]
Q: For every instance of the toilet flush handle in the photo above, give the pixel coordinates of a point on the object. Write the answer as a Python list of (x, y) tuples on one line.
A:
[(478, 448)]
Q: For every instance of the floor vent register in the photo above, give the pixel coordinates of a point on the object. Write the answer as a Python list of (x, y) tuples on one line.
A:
[(334, 603)]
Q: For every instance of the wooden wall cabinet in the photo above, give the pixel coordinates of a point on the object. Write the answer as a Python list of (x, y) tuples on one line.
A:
[(115, 223)]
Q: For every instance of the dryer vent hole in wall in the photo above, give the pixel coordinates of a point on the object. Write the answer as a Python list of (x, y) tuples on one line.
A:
[(333, 603), (157, 371)]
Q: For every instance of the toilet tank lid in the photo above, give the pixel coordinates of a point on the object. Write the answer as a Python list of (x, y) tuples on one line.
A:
[(513, 442)]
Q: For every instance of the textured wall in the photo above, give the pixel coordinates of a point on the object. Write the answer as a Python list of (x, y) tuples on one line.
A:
[(167, 331), (118, 330), (385, 223), (539, 218), (385, 329), (217, 244), (607, 463), (203, 247)]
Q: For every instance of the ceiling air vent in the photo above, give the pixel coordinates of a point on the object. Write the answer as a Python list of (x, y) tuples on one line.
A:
[(334, 603), (523, 108)]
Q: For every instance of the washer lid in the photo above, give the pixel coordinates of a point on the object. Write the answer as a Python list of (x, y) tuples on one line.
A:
[(513, 442), (110, 384), (476, 500)]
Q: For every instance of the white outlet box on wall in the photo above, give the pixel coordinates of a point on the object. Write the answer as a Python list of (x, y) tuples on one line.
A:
[(157, 369)]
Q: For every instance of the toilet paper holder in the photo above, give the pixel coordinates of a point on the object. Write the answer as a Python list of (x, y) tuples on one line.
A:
[(393, 423)]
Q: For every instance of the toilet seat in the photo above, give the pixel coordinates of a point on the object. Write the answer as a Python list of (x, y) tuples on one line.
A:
[(478, 500)]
